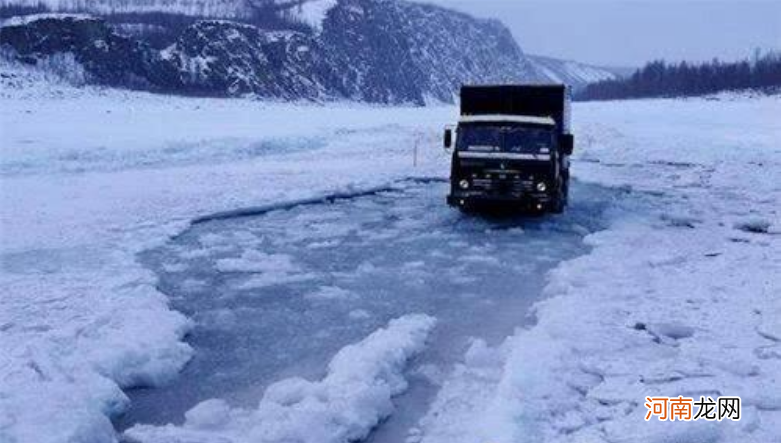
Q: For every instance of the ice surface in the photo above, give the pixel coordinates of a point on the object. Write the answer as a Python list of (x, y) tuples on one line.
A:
[(394, 253)]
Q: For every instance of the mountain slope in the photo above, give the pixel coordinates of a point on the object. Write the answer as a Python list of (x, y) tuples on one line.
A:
[(575, 74), (390, 51), (379, 51)]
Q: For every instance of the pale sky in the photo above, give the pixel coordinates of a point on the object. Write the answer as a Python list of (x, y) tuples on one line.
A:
[(631, 32)]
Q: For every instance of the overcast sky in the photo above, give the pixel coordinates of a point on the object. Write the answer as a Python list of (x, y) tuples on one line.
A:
[(631, 32)]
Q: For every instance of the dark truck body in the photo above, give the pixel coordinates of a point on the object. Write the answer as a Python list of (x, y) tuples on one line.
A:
[(512, 148)]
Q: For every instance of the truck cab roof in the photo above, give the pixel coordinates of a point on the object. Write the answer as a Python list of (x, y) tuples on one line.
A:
[(504, 118)]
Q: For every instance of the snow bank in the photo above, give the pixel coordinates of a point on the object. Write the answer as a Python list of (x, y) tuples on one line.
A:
[(354, 396), (69, 344), (678, 296)]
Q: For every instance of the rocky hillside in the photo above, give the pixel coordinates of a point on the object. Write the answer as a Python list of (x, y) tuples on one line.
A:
[(102, 55), (381, 51), (395, 51)]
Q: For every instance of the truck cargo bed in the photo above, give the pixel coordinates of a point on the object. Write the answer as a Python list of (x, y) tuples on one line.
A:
[(531, 100)]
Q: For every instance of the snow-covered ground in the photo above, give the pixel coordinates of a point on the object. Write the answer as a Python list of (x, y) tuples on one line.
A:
[(679, 295)]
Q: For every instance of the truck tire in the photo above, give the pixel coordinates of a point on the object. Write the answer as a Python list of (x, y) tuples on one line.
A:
[(467, 208), (558, 203)]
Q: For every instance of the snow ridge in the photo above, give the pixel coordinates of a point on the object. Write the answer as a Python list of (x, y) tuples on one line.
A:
[(343, 407)]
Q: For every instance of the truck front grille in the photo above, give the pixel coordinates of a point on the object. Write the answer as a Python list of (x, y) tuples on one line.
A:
[(502, 186)]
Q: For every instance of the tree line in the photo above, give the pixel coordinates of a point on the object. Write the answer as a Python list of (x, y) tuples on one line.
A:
[(662, 79)]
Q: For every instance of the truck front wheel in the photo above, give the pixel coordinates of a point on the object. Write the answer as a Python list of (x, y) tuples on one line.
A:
[(559, 201), (557, 204)]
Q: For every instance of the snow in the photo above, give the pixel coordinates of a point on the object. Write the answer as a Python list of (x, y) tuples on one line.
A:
[(198, 8), (257, 262), (54, 71), (27, 19), (266, 269), (330, 293), (344, 406), (677, 296), (313, 12), (570, 72)]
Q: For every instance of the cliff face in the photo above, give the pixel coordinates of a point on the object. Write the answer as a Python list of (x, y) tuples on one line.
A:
[(379, 51), (390, 51), (227, 58), (107, 58)]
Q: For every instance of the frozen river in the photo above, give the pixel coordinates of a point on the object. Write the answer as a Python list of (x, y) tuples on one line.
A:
[(277, 294)]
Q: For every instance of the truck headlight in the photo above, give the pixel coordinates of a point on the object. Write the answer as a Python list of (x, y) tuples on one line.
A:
[(542, 187), (464, 184)]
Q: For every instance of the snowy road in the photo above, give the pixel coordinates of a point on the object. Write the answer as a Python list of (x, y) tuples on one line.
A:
[(277, 295)]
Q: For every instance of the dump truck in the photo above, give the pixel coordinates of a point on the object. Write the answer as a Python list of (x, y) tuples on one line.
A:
[(511, 148)]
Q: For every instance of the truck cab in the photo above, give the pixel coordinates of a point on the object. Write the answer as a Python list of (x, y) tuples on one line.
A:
[(511, 148)]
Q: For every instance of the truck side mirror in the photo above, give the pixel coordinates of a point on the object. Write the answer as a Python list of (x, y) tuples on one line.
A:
[(567, 144), (448, 138)]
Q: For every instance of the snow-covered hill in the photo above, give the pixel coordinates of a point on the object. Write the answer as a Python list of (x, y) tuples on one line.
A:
[(382, 51), (573, 73)]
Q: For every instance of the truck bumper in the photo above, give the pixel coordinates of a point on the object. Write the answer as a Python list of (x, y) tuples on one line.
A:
[(472, 199)]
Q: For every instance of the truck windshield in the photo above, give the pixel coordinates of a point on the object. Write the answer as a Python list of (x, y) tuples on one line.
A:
[(479, 138), (504, 138)]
